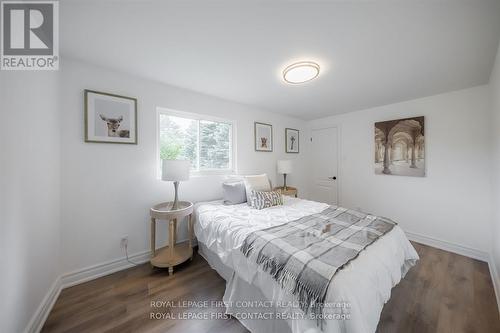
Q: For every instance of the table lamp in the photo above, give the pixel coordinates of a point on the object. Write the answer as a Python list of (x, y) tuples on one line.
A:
[(175, 171), (284, 167)]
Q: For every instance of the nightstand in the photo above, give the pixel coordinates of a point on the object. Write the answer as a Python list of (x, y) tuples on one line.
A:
[(173, 254), (290, 191)]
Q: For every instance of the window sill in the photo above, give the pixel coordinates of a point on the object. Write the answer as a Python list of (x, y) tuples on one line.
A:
[(198, 174), (202, 174)]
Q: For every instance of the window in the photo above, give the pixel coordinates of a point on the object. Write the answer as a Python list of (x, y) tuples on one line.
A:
[(205, 141)]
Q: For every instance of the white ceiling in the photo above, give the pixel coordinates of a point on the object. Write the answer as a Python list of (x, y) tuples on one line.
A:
[(371, 52)]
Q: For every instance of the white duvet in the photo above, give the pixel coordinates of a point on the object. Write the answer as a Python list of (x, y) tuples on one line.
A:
[(364, 284)]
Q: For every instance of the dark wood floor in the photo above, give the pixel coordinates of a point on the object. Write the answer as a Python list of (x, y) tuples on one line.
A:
[(445, 292)]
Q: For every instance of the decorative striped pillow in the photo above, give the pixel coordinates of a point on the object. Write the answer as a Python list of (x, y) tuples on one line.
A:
[(262, 199)]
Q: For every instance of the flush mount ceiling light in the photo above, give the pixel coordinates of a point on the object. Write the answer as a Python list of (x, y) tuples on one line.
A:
[(301, 72)]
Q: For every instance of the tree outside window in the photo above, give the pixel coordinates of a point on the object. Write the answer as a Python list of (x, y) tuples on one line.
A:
[(206, 143)]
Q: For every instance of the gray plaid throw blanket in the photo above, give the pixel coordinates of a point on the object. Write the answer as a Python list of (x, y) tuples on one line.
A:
[(304, 255)]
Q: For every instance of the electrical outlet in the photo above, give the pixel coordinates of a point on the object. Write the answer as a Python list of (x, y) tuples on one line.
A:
[(124, 242)]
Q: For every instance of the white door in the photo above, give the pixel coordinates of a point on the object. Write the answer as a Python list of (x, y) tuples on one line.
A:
[(324, 165)]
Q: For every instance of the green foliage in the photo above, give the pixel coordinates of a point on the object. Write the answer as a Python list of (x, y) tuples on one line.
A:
[(214, 145), (191, 144), (170, 150), (179, 140)]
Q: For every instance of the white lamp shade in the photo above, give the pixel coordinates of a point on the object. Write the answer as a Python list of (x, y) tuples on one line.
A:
[(175, 170), (284, 166)]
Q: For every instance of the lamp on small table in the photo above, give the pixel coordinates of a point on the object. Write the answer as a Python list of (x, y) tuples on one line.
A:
[(284, 167), (175, 171)]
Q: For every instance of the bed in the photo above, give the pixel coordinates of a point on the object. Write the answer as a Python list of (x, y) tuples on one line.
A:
[(355, 296)]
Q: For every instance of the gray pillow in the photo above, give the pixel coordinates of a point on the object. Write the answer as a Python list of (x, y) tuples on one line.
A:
[(234, 193)]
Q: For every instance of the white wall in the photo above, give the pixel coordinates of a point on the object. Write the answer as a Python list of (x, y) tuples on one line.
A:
[(453, 202), (495, 137), (107, 189), (30, 143)]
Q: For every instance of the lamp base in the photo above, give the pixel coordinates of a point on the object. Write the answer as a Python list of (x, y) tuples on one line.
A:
[(175, 205), (284, 182)]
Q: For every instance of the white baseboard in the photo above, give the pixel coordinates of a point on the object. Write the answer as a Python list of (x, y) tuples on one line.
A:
[(109, 267), (81, 276), (495, 278), (42, 312), (447, 246), (70, 279), (465, 251), (106, 268)]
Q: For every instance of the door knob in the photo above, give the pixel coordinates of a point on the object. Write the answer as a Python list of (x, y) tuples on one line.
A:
[(332, 178)]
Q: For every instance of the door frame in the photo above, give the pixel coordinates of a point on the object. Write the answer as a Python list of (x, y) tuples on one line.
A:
[(338, 127)]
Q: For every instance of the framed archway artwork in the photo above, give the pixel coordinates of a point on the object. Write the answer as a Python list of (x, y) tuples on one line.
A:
[(400, 147)]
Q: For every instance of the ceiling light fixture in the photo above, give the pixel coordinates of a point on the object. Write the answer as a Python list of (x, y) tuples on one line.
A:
[(301, 72)]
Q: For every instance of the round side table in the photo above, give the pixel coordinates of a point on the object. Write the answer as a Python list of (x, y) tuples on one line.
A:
[(290, 191), (173, 254)]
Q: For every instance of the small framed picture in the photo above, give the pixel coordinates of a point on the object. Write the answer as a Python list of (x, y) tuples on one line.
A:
[(110, 118), (263, 137), (291, 140)]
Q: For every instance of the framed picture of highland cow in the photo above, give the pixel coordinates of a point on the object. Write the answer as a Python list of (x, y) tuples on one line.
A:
[(263, 137), (400, 147), (292, 140), (110, 118)]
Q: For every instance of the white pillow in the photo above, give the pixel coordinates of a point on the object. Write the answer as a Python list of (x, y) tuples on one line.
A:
[(256, 183)]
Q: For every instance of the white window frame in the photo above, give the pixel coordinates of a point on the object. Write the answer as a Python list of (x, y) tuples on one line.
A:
[(198, 116)]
